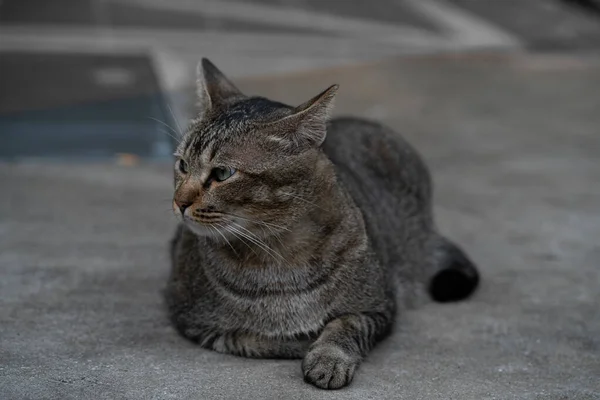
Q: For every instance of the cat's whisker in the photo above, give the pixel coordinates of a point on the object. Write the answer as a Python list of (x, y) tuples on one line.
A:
[(175, 119), (167, 133), (245, 235), (273, 225), (266, 247), (303, 199), (223, 236), (210, 228), (254, 239), (272, 232), (213, 228), (260, 222), (168, 126), (227, 228), (246, 230), (276, 235)]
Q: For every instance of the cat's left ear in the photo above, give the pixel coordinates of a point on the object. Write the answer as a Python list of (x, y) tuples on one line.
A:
[(212, 87), (306, 126)]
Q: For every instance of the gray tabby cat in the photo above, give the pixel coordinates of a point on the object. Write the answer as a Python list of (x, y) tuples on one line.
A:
[(294, 245)]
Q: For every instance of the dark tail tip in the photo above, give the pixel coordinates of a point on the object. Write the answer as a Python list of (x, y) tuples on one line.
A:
[(456, 278)]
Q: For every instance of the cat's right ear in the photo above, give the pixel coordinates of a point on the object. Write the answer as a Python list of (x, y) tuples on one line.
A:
[(212, 87), (306, 126)]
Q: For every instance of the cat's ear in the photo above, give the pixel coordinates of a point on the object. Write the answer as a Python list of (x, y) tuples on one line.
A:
[(306, 126), (212, 87)]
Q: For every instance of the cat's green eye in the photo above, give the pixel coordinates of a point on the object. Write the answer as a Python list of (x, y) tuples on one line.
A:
[(222, 173), (182, 166)]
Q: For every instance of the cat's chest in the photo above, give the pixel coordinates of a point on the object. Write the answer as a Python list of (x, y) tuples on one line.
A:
[(272, 300), (274, 315)]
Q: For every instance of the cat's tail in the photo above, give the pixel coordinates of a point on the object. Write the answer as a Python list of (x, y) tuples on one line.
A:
[(455, 276)]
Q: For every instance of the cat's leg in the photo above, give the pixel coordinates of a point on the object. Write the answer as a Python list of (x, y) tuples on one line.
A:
[(248, 345), (253, 346), (336, 354)]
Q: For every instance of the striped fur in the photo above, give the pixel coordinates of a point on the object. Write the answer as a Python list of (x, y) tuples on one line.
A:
[(310, 248)]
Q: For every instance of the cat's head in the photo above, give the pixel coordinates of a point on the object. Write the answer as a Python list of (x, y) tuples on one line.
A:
[(248, 165)]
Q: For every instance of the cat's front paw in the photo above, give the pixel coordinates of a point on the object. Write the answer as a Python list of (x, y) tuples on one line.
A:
[(329, 367)]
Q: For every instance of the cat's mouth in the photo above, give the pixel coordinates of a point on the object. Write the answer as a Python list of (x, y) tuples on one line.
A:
[(198, 215), (210, 222), (214, 223), (205, 224)]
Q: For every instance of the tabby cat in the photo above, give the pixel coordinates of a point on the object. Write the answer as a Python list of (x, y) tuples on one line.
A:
[(299, 237)]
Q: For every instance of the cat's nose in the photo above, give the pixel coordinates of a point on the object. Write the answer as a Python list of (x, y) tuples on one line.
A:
[(182, 205)]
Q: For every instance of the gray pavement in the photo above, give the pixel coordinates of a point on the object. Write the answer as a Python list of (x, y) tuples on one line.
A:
[(513, 143)]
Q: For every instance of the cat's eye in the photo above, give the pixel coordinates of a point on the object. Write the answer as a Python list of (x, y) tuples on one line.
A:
[(182, 166), (222, 173)]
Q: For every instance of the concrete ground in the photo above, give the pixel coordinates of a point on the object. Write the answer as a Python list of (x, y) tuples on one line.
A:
[(501, 98), (513, 144)]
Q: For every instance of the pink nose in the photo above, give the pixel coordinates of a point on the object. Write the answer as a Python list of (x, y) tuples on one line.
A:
[(182, 205)]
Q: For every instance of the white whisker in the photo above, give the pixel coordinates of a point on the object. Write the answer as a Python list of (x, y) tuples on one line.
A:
[(304, 200), (227, 228), (254, 239), (272, 251), (167, 125), (175, 119), (167, 133), (276, 235), (260, 222), (223, 236)]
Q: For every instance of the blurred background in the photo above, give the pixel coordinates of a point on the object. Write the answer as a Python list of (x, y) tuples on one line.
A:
[(501, 97), (99, 79)]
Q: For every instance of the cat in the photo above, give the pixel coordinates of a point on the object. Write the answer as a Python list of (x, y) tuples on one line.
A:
[(299, 237)]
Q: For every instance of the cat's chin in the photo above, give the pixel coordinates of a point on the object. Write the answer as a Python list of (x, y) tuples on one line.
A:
[(199, 229)]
